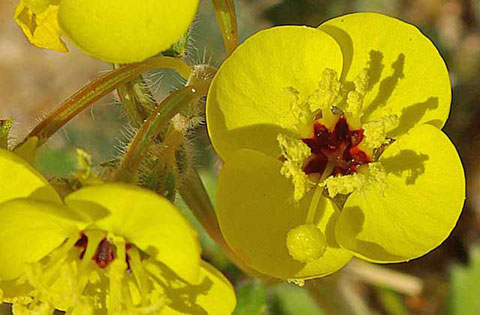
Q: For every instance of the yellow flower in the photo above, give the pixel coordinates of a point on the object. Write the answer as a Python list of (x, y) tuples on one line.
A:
[(333, 146), (111, 248), (115, 31)]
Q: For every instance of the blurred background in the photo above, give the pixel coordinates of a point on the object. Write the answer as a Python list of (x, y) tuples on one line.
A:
[(445, 281)]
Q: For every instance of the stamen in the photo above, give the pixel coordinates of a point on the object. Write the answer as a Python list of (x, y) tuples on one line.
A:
[(300, 108), (116, 274), (366, 178), (295, 152), (355, 99), (69, 276), (44, 274), (328, 93), (139, 274), (376, 131), (94, 238), (336, 137), (344, 185)]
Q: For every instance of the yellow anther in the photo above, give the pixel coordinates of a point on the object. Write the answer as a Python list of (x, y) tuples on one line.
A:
[(344, 184), (373, 174), (375, 131), (301, 111), (355, 97), (322, 99), (293, 149), (361, 82), (328, 92), (295, 152), (306, 243)]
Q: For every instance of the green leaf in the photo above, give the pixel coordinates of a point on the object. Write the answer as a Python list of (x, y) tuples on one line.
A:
[(465, 289), (251, 299), (290, 299)]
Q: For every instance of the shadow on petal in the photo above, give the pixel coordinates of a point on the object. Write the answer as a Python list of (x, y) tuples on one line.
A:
[(330, 225), (89, 210), (406, 161), (182, 295), (413, 114), (45, 193), (387, 85), (375, 68), (349, 230), (258, 137)]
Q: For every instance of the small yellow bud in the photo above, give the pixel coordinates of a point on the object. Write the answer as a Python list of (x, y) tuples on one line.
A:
[(306, 243)]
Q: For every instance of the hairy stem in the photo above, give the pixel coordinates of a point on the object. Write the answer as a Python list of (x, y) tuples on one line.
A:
[(97, 89), (137, 100), (152, 127)]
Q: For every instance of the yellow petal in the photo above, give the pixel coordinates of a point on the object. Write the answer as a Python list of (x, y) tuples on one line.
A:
[(416, 210), (147, 220), (19, 179), (214, 295), (256, 211), (125, 31), (250, 99), (407, 75), (38, 21), (29, 230)]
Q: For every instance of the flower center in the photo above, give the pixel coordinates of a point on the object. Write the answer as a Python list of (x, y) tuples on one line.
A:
[(105, 253), (96, 271), (339, 146), (335, 151)]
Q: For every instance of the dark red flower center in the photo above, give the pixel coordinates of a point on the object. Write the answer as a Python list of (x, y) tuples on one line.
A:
[(105, 252), (339, 146)]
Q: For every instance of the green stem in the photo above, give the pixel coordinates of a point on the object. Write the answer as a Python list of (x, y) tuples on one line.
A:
[(152, 127), (137, 100), (196, 197), (227, 20), (97, 89)]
